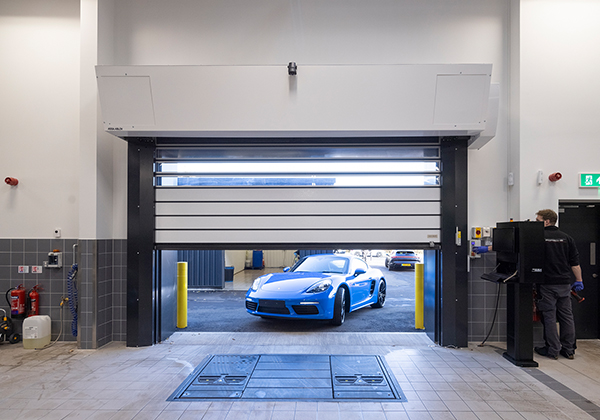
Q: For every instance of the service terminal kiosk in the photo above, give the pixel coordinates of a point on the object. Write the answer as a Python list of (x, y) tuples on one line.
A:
[(519, 248)]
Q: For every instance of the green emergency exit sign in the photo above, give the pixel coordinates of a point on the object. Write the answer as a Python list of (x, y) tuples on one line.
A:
[(589, 180)]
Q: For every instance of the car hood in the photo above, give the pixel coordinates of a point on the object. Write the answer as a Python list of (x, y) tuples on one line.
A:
[(292, 282)]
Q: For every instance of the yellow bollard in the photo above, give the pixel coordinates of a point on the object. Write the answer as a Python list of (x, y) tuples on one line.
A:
[(182, 282), (419, 297)]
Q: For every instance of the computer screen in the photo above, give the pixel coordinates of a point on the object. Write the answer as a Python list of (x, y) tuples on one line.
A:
[(505, 240)]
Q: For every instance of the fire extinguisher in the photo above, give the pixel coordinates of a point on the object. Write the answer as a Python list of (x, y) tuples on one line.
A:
[(17, 301), (34, 301)]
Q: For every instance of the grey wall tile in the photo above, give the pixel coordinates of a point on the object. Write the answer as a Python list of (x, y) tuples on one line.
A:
[(17, 245), (101, 284), (30, 245)]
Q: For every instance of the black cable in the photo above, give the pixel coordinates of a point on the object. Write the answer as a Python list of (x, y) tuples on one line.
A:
[(494, 319), (497, 301)]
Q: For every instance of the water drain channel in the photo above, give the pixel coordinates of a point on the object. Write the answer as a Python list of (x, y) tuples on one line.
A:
[(307, 377)]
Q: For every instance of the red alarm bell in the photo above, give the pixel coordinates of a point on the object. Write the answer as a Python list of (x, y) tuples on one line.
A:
[(553, 177)]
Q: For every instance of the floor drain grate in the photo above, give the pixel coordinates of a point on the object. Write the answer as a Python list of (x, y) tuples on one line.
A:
[(305, 377)]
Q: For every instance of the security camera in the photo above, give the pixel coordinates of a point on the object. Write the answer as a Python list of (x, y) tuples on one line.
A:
[(292, 68)]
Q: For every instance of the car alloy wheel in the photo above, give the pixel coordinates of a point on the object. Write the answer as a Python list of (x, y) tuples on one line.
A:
[(381, 293), (339, 307)]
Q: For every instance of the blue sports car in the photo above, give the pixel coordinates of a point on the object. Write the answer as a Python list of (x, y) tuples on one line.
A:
[(322, 286)]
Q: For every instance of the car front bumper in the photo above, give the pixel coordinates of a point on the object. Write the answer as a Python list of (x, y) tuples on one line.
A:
[(309, 306)]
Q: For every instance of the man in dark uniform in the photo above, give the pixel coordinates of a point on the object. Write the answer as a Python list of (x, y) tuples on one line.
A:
[(554, 295)]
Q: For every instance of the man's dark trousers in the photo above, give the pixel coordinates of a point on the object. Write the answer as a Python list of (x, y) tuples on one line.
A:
[(555, 305)]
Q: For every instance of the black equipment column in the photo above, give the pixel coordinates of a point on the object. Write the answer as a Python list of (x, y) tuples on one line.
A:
[(520, 249), (519, 325)]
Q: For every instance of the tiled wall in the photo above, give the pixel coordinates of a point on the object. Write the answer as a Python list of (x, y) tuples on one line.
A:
[(482, 304), (87, 282), (101, 285), (112, 291), (102, 288), (53, 281)]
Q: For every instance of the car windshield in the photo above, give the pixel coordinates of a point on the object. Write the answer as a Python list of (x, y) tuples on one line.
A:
[(329, 264), (405, 253)]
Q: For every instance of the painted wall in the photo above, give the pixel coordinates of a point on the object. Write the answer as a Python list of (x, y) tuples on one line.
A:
[(102, 158), (235, 259), (39, 116), (279, 259), (560, 100), (71, 175), (89, 166), (41, 122)]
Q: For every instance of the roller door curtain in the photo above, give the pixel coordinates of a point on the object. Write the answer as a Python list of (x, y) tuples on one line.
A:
[(297, 195)]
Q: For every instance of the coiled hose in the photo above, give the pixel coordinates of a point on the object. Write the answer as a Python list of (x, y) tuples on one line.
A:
[(72, 292)]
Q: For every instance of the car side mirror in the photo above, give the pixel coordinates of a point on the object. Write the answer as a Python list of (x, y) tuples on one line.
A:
[(359, 271), (286, 269)]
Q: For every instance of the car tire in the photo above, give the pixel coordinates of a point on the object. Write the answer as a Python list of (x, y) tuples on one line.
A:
[(381, 293), (339, 307)]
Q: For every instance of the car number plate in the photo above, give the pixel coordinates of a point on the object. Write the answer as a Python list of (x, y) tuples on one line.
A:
[(405, 265), (271, 303)]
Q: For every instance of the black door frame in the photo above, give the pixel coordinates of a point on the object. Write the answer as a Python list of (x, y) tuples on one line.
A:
[(142, 315), (451, 312), (452, 292)]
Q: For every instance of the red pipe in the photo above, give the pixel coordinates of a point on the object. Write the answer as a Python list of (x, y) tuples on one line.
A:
[(11, 181)]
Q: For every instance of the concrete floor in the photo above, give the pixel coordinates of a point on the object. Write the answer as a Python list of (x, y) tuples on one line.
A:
[(118, 383)]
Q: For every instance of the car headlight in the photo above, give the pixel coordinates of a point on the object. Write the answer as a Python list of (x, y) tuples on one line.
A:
[(319, 287), (256, 284)]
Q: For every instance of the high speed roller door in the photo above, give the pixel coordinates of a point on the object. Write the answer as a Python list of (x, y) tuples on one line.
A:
[(282, 196)]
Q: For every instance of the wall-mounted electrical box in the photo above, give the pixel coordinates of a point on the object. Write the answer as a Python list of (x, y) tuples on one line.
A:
[(54, 259), (473, 243)]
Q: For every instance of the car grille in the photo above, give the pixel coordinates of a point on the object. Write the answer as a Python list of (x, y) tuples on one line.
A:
[(305, 309), (251, 305), (273, 307)]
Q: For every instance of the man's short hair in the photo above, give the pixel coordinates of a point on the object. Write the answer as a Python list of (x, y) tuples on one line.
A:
[(549, 215)]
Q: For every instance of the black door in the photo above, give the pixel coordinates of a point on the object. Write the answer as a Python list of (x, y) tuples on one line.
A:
[(166, 309), (431, 284), (582, 222)]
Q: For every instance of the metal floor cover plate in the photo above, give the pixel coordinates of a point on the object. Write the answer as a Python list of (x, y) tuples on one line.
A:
[(306, 377)]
